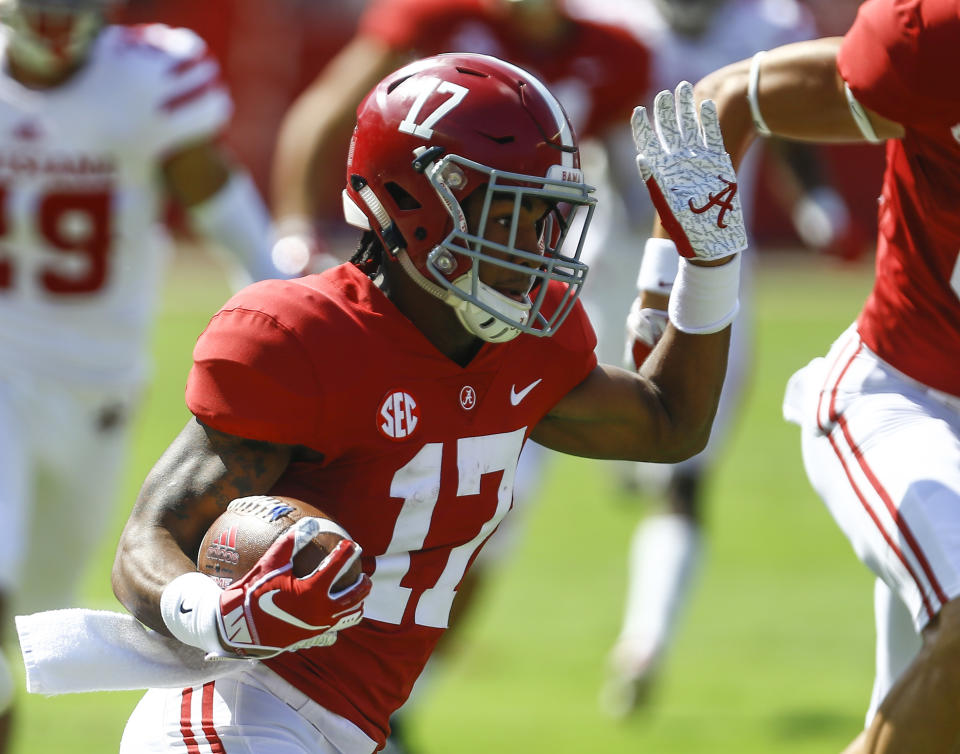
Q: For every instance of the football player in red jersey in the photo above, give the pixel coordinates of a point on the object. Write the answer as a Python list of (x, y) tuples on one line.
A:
[(880, 415), (597, 69), (395, 393)]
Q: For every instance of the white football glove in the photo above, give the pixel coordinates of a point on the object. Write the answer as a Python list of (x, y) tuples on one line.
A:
[(689, 175), (645, 327)]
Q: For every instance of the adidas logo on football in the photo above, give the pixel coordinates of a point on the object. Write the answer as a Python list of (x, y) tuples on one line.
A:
[(224, 547)]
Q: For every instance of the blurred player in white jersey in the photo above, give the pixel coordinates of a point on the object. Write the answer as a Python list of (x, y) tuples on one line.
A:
[(99, 126), (686, 39)]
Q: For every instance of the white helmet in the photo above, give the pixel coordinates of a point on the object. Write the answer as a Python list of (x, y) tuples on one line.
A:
[(47, 36)]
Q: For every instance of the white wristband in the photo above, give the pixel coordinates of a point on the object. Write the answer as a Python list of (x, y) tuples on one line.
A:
[(753, 96), (190, 605), (658, 268), (705, 299)]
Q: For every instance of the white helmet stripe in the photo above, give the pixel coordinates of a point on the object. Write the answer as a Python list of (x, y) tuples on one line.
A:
[(563, 125)]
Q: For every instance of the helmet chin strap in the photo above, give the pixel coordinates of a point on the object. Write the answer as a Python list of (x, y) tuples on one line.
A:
[(434, 289)]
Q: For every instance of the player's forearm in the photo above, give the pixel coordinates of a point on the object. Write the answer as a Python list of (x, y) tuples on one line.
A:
[(662, 415), (164, 529), (799, 95), (190, 485), (688, 372), (299, 147), (147, 560), (307, 170)]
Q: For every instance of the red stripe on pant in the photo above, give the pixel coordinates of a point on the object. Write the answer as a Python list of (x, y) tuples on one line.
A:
[(891, 508), (832, 403), (189, 740), (206, 721), (895, 514)]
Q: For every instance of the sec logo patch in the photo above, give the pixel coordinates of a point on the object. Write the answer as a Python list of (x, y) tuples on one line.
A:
[(398, 416)]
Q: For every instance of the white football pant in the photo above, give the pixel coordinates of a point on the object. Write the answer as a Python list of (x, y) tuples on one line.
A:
[(62, 451), (253, 712), (897, 644), (883, 452)]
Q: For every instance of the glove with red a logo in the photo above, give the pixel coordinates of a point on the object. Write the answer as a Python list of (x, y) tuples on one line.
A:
[(270, 610), (689, 175), (645, 327)]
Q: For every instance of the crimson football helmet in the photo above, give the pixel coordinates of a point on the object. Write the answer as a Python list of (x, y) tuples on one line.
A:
[(431, 134), (48, 36)]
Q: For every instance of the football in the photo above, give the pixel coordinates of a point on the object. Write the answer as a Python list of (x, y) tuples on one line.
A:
[(247, 528)]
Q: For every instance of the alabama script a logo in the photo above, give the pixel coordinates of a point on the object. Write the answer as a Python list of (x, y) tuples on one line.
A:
[(723, 200)]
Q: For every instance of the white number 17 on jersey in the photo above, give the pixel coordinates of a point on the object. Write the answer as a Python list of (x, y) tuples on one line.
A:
[(418, 485)]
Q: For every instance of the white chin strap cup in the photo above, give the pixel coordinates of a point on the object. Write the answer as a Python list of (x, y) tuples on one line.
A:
[(482, 323)]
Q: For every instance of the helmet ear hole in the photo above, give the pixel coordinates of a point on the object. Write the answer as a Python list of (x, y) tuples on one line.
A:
[(420, 233)]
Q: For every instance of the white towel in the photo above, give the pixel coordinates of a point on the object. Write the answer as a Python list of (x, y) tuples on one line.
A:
[(68, 651)]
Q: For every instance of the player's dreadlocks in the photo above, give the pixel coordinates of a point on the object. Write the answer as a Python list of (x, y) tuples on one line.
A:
[(369, 254)]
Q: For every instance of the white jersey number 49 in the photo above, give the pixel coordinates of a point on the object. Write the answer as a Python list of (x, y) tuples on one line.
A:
[(74, 230)]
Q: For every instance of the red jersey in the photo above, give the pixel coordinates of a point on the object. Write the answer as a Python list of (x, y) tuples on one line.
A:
[(899, 59), (598, 72), (419, 453)]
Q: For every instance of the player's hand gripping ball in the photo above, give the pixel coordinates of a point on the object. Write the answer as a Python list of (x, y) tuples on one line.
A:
[(291, 576)]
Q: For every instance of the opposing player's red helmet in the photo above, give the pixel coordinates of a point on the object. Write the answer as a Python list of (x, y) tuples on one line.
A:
[(434, 132)]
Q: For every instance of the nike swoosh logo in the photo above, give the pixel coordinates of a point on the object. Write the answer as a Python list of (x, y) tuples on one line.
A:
[(185, 610), (516, 397), (267, 605)]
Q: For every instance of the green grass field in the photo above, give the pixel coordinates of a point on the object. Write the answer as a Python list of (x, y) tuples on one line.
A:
[(775, 653)]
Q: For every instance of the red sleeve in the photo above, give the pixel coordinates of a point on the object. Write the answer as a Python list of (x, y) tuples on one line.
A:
[(252, 378), (580, 324), (898, 59), (576, 335)]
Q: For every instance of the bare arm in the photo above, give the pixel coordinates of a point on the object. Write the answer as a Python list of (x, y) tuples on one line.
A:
[(662, 414), (316, 129), (224, 205), (195, 173), (191, 484), (800, 94)]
